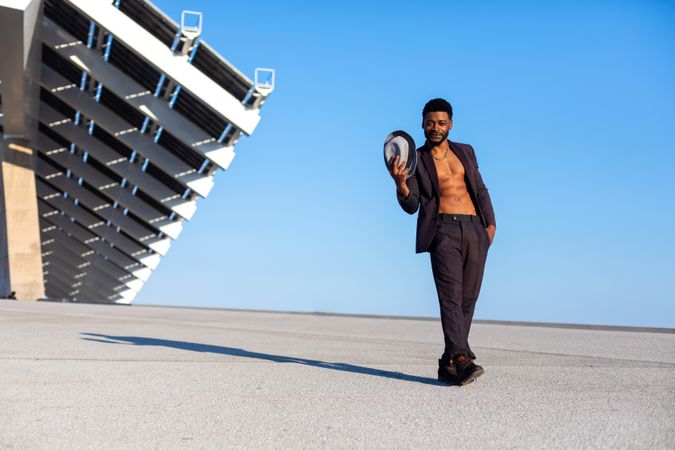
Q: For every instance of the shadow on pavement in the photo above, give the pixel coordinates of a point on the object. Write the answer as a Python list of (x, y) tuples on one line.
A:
[(230, 351)]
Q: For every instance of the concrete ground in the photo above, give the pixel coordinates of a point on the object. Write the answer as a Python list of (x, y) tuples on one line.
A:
[(93, 376)]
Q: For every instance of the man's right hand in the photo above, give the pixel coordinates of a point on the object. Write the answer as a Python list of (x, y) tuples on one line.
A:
[(400, 175)]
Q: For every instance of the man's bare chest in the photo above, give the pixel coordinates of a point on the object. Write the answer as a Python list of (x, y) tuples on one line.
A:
[(449, 169)]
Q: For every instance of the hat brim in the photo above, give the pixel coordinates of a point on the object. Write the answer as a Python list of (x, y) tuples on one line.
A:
[(401, 144)]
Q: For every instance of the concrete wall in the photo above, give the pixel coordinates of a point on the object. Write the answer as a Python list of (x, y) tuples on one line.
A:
[(20, 250)]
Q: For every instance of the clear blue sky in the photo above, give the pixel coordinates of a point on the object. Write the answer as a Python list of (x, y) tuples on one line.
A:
[(571, 110)]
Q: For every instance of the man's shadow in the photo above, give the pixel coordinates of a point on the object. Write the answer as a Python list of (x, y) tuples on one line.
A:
[(230, 351)]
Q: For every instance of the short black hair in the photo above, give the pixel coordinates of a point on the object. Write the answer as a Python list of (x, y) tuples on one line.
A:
[(437, 105)]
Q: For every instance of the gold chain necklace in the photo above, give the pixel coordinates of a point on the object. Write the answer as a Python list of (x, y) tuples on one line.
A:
[(440, 159)]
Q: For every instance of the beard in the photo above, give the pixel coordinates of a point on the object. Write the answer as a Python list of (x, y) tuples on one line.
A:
[(436, 139)]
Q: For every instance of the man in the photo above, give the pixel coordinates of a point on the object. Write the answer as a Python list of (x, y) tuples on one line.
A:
[(456, 225)]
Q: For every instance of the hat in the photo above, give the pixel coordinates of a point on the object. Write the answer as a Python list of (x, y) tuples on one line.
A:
[(401, 144)]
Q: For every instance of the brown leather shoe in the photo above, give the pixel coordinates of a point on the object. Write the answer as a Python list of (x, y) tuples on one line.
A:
[(447, 372), (467, 371)]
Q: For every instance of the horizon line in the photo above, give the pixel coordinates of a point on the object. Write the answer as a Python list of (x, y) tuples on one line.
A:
[(577, 326)]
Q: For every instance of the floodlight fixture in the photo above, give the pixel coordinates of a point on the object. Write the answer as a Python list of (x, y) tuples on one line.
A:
[(264, 80), (191, 24)]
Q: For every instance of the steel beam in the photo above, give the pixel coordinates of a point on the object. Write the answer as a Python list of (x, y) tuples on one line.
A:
[(176, 67), (125, 132), (73, 276), (102, 207), (116, 162), (80, 265), (72, 246), (136, 95), (109, 187), (91, 222), (86, 237)]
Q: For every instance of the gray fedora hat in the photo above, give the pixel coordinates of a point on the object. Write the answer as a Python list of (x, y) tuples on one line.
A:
[(401, 144)]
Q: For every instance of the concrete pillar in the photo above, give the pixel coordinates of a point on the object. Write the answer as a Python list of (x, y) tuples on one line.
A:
[(20, 250)]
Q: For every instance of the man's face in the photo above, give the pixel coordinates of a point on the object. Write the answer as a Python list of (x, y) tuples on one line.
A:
[(436, 127)]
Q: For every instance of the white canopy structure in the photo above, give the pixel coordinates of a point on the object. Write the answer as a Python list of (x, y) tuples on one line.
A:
[(114, 120)]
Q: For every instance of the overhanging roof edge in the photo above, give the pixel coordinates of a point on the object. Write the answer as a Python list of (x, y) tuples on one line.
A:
[(177, 68), (202, 42)]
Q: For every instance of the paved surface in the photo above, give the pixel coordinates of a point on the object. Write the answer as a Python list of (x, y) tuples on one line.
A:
[(89, 376)]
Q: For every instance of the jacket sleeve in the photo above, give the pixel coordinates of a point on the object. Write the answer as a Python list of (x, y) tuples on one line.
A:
[(412, 202), (483, 196)]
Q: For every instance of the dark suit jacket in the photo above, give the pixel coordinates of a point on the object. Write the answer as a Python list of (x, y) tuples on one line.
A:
[(424, 192)]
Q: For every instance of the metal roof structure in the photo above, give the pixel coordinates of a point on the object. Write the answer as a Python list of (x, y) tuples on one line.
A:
[(135, 115)]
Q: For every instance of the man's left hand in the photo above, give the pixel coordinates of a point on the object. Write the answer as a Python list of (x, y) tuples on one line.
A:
[(491, 230)]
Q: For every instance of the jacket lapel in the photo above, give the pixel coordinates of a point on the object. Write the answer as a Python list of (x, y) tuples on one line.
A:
[(428, 162), (464, 159)]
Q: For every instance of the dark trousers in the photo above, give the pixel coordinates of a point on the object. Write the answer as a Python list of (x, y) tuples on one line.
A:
[(458, 254)]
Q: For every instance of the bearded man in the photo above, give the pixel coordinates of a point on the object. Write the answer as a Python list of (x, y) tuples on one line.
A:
[(456, 225)]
